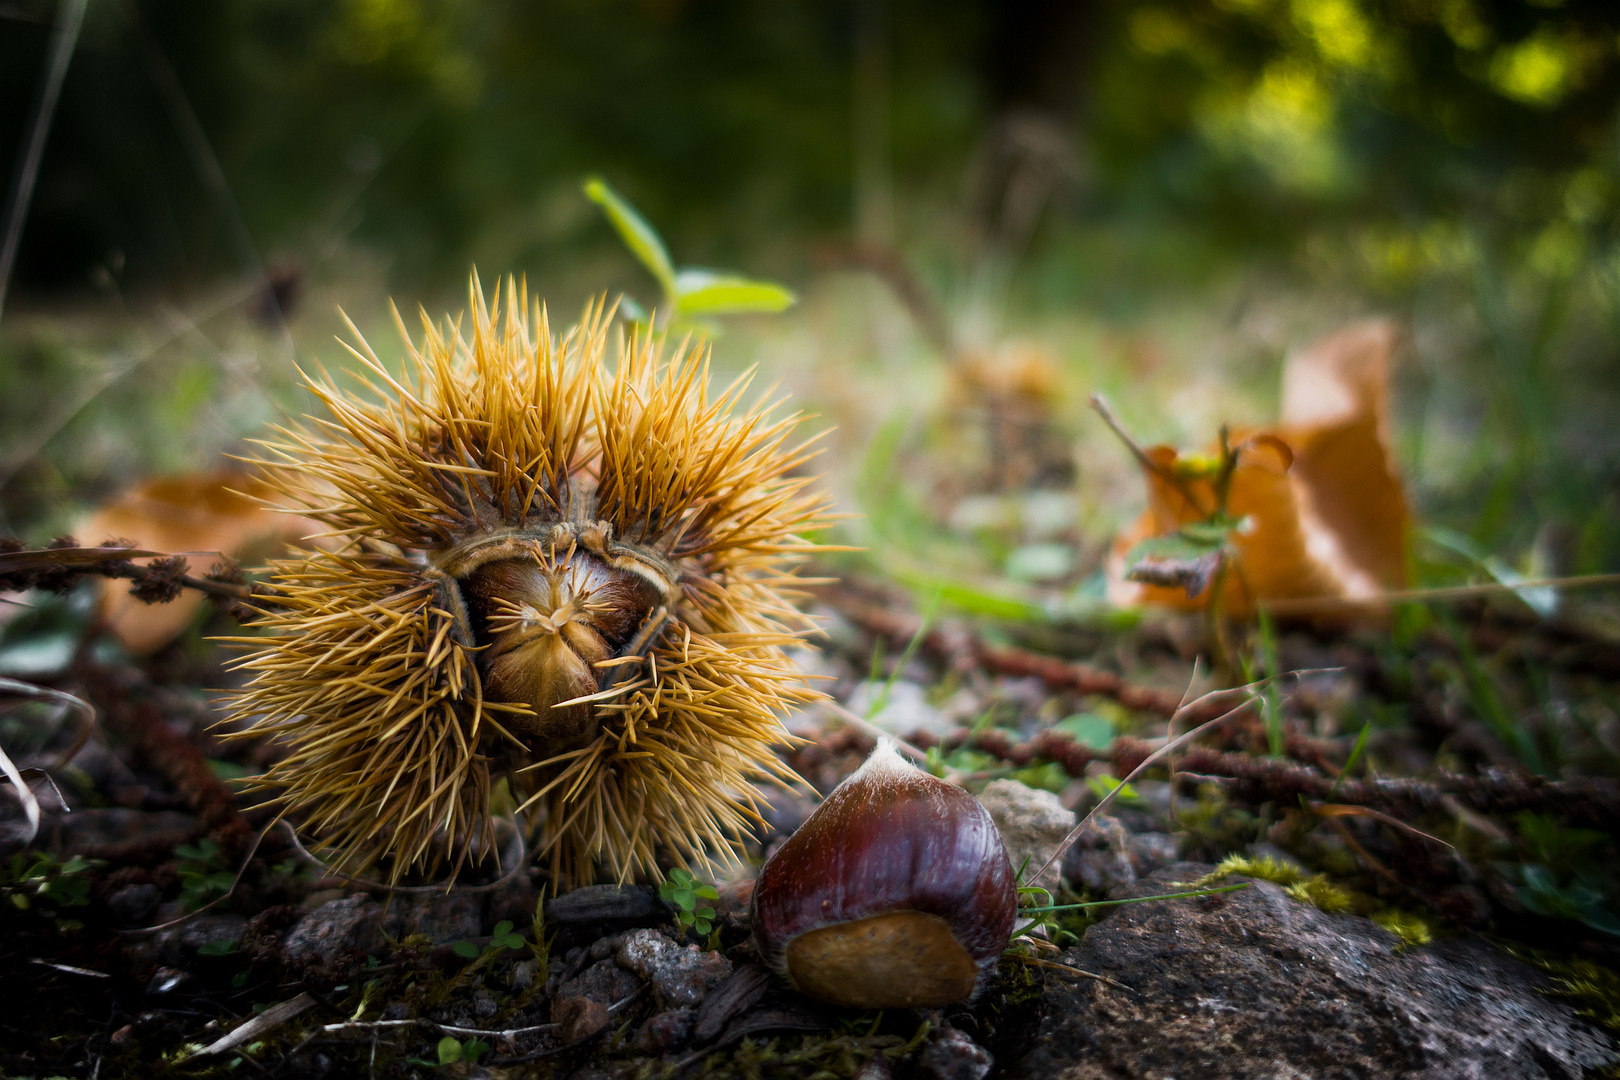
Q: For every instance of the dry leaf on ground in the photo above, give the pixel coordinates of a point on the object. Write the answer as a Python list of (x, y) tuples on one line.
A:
[(1330, 522), (202, 516)]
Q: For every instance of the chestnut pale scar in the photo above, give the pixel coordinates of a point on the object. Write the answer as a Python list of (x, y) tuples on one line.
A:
[(900, 959)]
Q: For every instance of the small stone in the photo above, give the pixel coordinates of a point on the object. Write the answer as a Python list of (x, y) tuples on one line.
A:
[(131, 904), (397, 1010), (1150, 850), (523, 975), (441, 916), (178, 946), (603, 981), (1100, 859), (876, 1067), (637, 904), (953, 1056), (578, 1018), (664, 1032), (681, 975), (484, 1005), (1032, 824), (602, 948), (166, 980), (335, 928)]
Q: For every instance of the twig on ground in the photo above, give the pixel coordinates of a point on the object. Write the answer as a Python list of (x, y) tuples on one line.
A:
[(1589, 802)]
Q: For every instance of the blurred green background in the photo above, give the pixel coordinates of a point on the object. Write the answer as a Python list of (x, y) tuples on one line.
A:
[(1161, 197)]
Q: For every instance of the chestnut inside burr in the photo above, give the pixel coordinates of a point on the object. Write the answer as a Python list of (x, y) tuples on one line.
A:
[(545, 622), (900, 959)]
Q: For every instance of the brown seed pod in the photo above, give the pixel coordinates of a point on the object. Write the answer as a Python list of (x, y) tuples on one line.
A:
[(895, 893), (574, 577)]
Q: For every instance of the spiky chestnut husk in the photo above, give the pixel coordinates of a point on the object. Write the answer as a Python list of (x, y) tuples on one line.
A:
[(574, 577)]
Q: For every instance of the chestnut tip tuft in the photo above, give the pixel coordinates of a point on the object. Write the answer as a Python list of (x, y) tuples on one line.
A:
[(895, 893)]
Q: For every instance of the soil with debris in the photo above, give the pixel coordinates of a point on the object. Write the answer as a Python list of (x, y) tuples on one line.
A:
[(1390, 926)]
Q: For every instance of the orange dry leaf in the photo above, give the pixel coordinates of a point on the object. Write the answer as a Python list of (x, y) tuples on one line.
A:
[(1330, 522), (202, 516)]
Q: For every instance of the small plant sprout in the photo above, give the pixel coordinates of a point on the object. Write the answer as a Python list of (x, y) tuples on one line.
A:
[(684, 893), (503, 938), (204, 877), (691, 295)]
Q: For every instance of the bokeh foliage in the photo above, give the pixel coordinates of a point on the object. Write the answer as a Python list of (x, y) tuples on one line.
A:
[(1454, 162)]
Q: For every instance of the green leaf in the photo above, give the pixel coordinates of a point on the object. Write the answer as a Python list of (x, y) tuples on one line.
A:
[(217, 948), (503, 928), (639, 236), (1171, 546), (708, 892), (465, 949), (1102, 785), (684, 899), (704, 913), (449, 1050), (1089, 729), (703, 926), (228, 770), (705, 292), (473, 1049)]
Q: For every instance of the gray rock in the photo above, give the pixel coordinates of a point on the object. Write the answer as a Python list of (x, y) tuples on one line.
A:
[(166, 980), (335, 928), (680, 974), (523, 975), (1255, 984), (1032, 824), (953, 1056), (664, 1032), (1100, 859), (131, 904), (441, 916), (1149, 851), (607, 903), (603, 982)]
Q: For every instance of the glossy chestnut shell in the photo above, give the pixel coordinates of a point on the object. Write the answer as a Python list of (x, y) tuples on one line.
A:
[(895, 893)]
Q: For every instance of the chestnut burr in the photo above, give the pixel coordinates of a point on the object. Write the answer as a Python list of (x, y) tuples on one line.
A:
[(895, 893)]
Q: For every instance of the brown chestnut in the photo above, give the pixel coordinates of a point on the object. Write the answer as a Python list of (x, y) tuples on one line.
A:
[(895, 893)]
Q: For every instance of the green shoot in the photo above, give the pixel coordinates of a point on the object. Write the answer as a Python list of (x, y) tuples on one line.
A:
[(683, 892), (691, 295)]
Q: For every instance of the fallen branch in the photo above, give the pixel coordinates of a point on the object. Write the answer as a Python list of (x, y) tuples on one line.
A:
[(63, 564), (957, 644), (1589, 802)]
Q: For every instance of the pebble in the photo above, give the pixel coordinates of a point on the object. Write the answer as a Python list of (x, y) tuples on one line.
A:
[(578, 1018), (131, 904), (1100, 859), (607, 903), (603, 981), (335, 928), (680, 975), (953, 1056), (664, 1032), (1032, 824)]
